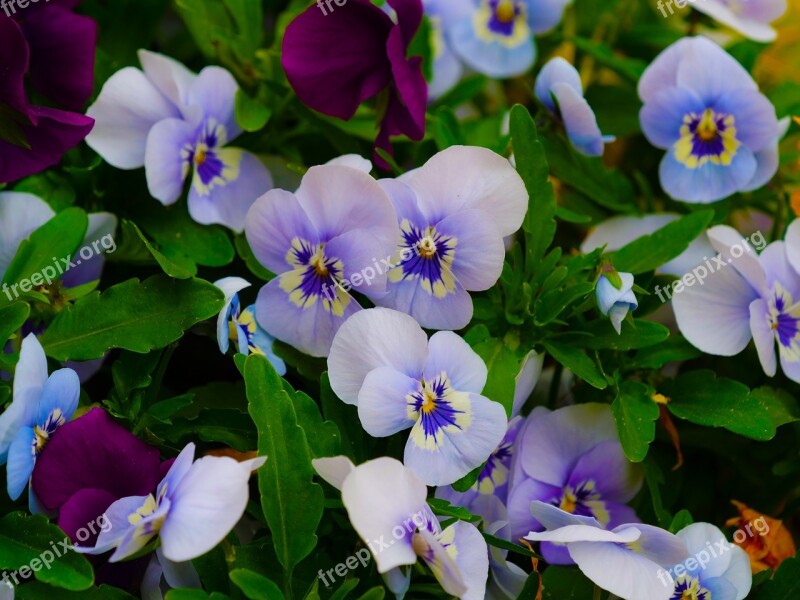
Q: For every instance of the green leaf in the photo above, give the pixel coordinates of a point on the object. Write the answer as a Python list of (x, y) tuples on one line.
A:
[(57, 239), (510, 546), (287, 475), (251, 115), (780, 405), (25, 544), (11, 127), (346, 416), (550, 305), (35, 590), (443, 507), (635, 414), (193, 594), (12, 318), (136, 316), (565, 583), (255, 586), (503, 367), (673, 349), (345, 589), (323, 437), (600, 335), (178, 270), (539, 224), (704, 399), (785, 584), (577, 362), (246, 254), (468, 480), (649, 252), (376, 593), (683, 518)]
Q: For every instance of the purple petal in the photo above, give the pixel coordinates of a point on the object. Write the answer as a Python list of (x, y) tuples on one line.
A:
[(662, 116), (169, 76), (756, 122), (336, 83), (479, 252), (84, 507), (166, 159), (454, 311), (382, 404), (360, 252), (15, 64), (557, 70), (214, 91), (449, 353), (716, 74)]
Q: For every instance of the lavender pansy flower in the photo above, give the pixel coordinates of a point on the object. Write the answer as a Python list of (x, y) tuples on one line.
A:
[(382, 361), (559, 88), (571, 458), (321, 241), (626, 561), (753, 297), (50, 38), (495, 37), (386, 503), (453, 212), (615, 302), (704, 109), (240, 326), (447, 67), (41, 405), (751, 18), (173, 122), (718, 569), (195, 506)]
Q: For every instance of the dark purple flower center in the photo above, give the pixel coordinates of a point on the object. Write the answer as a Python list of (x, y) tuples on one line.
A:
[(784, 320), (707, 137), (427, 255), (690, 588), (434, 406), (315, 276)]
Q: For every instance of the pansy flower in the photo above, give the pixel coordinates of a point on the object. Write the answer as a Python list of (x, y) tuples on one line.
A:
[(54, 49), (325, 239), (453, 213), (615, 302), (748, 296), (751, 18), (704, 109), (367, 64), (626, 561), (240, 326), (446, 66), (718, 569), (495, 37), (571, 458), (174, 122), (41, 405), (387, 506), (195, 506), (382, 361), (558, 86)]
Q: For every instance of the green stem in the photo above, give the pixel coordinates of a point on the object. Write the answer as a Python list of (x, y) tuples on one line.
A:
[(597, 592)]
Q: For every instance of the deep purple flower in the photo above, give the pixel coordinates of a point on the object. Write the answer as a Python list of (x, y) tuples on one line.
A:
[(88, 464), (335, 60), (54, 48)]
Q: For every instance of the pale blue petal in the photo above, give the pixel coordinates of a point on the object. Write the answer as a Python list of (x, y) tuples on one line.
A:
[(579, 120), (715, 75), (20, 462), (663, 113), (20, 215), (180, 467), (557, 70), (479, 252), (756, 122), (449, 353), (441, 562), (763, 336), (454, 311), (230, 286), (214, 90), (167, 158), (544, 15), (709, 182), (471, 554), (178, 574), (491, 58), (61, 391), (382, 404)]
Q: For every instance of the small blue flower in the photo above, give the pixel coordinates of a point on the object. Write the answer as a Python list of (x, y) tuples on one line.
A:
[(720, 133), (559, 88), (615, 302), (240, 326), (41, 405)]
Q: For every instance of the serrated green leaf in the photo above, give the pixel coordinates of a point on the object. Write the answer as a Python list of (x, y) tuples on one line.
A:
[(635, 414), (577, 362), (552, 304), (503, 366), (780, 405), (703, 398), (12, 318), (287, 475), (136, 316), (600, 335), (25, 538)]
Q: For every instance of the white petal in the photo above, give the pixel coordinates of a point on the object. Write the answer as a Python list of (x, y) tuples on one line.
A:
[(20, 215), (334, 469), (168, 75), (354, 161)]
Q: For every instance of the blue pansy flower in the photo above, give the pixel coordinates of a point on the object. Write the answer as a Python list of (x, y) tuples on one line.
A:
[(382, 361), (559, 88), (453, 213), (240, 326), (705, 110), (626, 560), (40, 405), (447, 67), (495, 37), (615, 302), (718, 569), (174, 122), (195, 506)]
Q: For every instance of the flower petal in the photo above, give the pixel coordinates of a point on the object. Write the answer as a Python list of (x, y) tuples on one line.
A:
[(169, 76), (479, 252), (333, 469), (61, 391), (20, 462), (20, 215), (449, 353), (763, 336), (166, 159), (382, 404)]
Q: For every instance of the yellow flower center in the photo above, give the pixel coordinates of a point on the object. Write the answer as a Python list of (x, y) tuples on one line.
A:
[(707, 129), (505, 11)]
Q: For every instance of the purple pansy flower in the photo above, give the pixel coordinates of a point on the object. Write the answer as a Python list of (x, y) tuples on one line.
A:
[(195, 506), (40, 406), (559, 88), (173, 122), (240, 326), (751, 18), (370, 59), (321, 241), (704, 109), (571, 458), (752, 297), (387, 506), (382, 361), (453, 212), (55, 49), (626, 561)]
